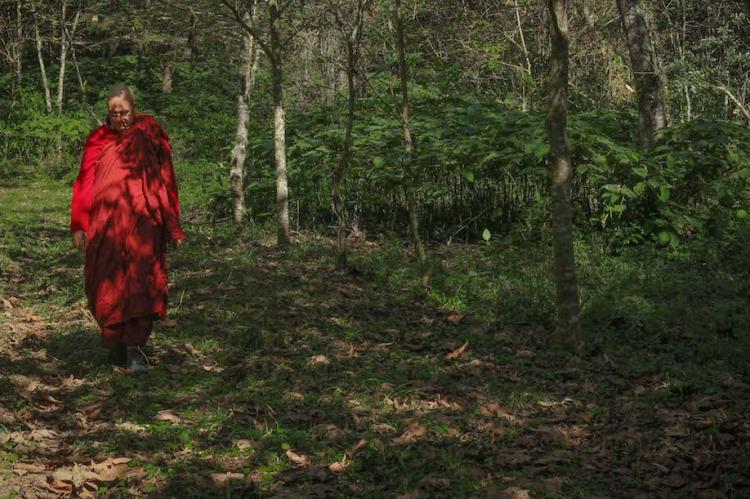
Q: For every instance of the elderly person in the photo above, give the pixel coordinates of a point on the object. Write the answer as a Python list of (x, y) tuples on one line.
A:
[(124, 212)]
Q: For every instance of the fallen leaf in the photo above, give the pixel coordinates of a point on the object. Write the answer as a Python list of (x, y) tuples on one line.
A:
[(525, 354), (222, 479), (360, 445), (383, 428), (190, 348), (413, 432), (243, 444), (24, 468), (167, 415), (455, 318), (128, 426), (339, 466), (317, 360), (514, 493), (298, 459), (457, 352)]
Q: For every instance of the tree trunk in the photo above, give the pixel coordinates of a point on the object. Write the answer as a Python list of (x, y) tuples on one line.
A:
[(279, 124), (411, 203), (167, 77), (248, 65), (568, 307), (19, 43), (40, 56), (65, 40), (352, 41), (528, 76), (651, 108)]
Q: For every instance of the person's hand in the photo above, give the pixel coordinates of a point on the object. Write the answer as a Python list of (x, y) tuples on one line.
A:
[(79, 240)]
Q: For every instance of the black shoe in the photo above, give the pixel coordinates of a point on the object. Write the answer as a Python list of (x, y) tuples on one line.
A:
[(117, 355), (136, 361)]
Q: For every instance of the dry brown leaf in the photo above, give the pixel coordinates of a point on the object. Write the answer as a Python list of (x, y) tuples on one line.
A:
[(455, 318), (457, 352), (167, 415), (360, 445), (414, 432), (298, 459), (28, 468), (339, 466), (222, 479), (514, 493), (318, 360), (128, 426), (190, 348), (244, 444), (525, 354), (383, 428)]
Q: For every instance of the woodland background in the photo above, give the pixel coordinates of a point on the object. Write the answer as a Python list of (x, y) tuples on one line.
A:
[(660, 232)]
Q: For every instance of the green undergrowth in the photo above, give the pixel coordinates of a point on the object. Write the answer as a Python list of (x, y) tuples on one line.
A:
[(275, 365)]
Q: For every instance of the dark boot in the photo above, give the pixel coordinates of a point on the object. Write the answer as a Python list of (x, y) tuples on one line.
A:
[(137, 362), (117, 355)]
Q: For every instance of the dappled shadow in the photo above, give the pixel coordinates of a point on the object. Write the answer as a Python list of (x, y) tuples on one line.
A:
[(278, 375)]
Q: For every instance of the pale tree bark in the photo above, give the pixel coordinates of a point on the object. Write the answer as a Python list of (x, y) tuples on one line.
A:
[(352, 35), (19, 43), (566, 281), (279, 125), (403, 70), (66, 40), (528, 76), (167, 77), (273, 49), (248, 66), (40, 56), (651, 108)]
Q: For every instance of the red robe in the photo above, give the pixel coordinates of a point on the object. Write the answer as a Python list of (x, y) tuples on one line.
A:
[(125, 199)]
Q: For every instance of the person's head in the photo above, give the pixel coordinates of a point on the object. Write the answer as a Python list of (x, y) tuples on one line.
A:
[(120, 107)]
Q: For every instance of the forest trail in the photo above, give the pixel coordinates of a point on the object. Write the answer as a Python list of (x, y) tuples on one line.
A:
[(277, 375)]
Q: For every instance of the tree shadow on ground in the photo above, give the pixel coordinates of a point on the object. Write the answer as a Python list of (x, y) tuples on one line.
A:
[(275, 367)]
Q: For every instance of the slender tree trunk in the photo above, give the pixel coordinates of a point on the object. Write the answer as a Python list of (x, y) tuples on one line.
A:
[(352, 41), (343, 165), (19, 42), (167, 77), (568, 307), (248, 65), (65, 41), (411, 202), (279, 124), (40, 56), (525, 103), (648, 84)]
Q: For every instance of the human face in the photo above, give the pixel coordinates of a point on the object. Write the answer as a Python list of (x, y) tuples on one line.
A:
[(121, 113)]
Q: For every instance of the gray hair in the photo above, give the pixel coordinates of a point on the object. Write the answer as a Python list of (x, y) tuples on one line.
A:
[(121, 90)]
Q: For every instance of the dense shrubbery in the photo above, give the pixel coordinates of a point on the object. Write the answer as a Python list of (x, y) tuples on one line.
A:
[(479, 164)]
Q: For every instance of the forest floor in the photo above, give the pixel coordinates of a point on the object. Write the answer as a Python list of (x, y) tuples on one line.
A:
[(278, 376)]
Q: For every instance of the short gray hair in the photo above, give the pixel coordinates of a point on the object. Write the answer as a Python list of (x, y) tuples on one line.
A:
[(121, 90)]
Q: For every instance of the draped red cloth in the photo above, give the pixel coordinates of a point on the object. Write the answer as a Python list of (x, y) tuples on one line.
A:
[(125, 199)]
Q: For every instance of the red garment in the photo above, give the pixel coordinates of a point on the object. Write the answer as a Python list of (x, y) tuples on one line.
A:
[(125, 199), (134, 332)]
